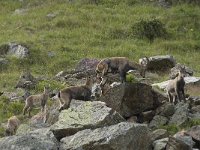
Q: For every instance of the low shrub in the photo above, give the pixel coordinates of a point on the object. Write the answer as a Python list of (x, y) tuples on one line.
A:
[(149, 29)]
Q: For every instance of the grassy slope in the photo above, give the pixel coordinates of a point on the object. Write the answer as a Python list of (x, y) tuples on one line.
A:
[(82, 30)]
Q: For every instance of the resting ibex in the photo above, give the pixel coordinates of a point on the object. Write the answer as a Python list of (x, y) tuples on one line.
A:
[(118, 64), (36, 100), (12, 125), (175, 87), (82, 92)]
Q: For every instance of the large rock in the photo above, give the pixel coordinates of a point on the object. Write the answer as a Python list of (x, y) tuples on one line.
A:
[(166, 110), (181, 114), (37, 140), (176, 144), (123, 136), (14, 49), (89, 115), (175, 70), (158, 121), (18, 50), (130, 99), (187, 139), (190, 82), (194, 132), (26, 81), (159, 63), (86, 64)]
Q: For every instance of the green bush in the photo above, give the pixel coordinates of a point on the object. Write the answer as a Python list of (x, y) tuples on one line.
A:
[(149, 29)]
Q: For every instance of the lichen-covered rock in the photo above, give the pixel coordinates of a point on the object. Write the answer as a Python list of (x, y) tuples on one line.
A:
[(158, 121), (130, 99), (89, 115), (181, 114), (37, 140), (122, 136)]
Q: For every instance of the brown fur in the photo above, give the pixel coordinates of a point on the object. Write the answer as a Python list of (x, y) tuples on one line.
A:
[(36, 100), (12, 125), (120, 65), (82, 92), (175, 87)]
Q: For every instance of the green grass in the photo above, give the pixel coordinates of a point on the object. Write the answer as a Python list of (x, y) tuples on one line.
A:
[(82, 29), (172, 129)]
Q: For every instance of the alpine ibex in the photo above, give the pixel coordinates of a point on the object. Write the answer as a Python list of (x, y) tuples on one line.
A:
[(175, 87), (12, 125), (118, 64), (36, 100), (82, 92)]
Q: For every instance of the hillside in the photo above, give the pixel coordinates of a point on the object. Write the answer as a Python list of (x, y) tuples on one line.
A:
[(58, 34)]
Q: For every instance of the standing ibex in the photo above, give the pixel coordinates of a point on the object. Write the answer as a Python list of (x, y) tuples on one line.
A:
[(12, 125), (118, 64), (82, 92), (175, 87), (39, 100)]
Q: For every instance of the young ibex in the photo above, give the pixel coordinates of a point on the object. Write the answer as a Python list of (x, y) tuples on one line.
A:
[(12, 125), (36, 100), (175, 87), (82, 92), (118, 64)]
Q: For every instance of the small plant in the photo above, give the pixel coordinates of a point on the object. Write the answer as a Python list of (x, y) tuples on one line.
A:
[(172, 129), (130, 78), (149, 29)]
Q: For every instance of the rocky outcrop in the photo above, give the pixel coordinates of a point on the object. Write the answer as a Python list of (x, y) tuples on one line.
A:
[(89, 115), (126, 136), (130, 99), (159, 63)]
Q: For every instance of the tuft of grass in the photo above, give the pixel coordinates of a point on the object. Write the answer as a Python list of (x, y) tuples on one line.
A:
[(8, 109), (172, 129)]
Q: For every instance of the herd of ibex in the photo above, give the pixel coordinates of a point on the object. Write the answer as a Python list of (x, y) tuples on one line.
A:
[(121, 65)]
